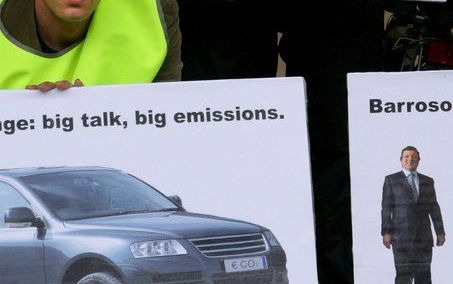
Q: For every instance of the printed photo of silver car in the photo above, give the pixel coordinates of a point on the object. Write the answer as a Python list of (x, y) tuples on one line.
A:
[(90, 225)]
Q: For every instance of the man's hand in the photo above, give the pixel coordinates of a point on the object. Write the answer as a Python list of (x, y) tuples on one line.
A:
[(387, 240), (60, 85), (440, 240)]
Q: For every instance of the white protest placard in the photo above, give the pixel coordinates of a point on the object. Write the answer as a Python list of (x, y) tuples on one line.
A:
[(235, 148), (387, 112)]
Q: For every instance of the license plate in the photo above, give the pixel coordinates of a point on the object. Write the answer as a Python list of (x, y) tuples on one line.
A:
[(245, 264)]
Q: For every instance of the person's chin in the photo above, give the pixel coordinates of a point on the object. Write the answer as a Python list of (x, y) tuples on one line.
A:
[(75, 16)]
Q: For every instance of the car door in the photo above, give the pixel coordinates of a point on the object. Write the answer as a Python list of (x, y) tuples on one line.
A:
[(21, 252)]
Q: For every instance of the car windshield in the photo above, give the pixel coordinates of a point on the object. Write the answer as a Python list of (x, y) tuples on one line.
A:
[(82, 194)]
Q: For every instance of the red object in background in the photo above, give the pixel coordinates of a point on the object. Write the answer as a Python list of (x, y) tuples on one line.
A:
[(440, 52)]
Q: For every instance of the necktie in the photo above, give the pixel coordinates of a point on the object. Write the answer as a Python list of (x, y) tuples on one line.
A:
[(413, 187)]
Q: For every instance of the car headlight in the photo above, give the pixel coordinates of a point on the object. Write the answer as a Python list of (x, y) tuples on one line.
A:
[(271, 239), (157, 248)]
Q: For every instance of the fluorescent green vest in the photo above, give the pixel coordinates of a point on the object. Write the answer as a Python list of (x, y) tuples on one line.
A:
[(125, 44)]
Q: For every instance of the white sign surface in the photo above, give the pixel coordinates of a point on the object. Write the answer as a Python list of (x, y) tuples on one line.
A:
[(229, 148), (388, 111)]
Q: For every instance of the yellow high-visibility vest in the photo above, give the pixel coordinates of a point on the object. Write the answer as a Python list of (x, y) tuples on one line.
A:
[(125, 43)]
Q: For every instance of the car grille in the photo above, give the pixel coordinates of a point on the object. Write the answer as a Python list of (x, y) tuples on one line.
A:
[(226, 246), (245, 278), (179, 278)]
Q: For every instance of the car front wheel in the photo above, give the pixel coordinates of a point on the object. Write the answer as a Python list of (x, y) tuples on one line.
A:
[(99, 278)]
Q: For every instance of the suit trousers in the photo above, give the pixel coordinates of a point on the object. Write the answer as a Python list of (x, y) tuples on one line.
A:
[(413, 264)]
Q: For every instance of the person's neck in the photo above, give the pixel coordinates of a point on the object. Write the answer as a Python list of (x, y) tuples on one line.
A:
[(56, 33)]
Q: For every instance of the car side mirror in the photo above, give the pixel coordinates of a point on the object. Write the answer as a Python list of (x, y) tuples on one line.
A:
[(176, 200), (19, 217)]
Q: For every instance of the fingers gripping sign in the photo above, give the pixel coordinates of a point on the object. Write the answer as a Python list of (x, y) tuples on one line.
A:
[(59, 85)]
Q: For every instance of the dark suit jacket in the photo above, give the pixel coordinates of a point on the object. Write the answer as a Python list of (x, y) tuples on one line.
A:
[(407, 219)]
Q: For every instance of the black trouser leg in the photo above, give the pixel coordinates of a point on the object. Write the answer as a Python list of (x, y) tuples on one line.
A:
[(422, 271), (413, 264), (423, 277), (422, 266), (403, 274)]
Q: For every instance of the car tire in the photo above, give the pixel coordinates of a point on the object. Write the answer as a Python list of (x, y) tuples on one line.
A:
[(99, 278)]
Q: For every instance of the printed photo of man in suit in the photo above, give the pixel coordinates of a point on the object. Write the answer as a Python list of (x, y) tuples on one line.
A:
[(408, 202)]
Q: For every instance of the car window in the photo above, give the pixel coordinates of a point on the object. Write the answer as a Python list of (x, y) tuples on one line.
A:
[(9, 198), (83, 194)]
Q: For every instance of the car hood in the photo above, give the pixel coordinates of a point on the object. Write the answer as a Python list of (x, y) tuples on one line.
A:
[(173, 224)]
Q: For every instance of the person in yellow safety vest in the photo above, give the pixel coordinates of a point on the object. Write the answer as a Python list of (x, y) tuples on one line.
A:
[(47, 44)]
